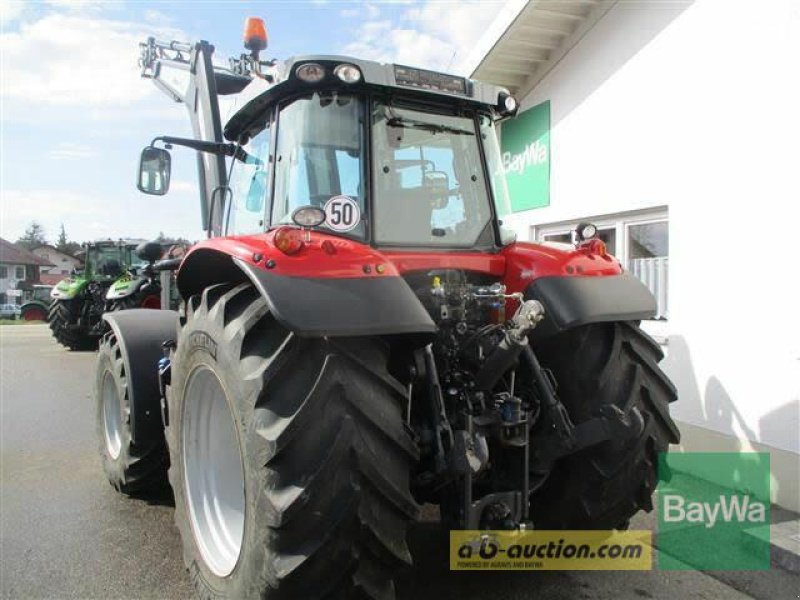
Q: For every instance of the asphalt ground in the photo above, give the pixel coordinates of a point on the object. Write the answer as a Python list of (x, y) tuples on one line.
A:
[(65, 533)]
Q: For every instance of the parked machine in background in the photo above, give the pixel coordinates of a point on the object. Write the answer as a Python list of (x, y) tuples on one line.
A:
[(38, 305), (117, 275), (359, 335)]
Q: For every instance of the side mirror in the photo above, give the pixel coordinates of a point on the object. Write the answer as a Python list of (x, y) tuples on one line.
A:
[(155, 166)]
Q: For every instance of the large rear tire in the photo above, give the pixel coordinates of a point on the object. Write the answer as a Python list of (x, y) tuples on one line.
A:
[(61, 318), (290, 460), (603, 486), (131, 468)]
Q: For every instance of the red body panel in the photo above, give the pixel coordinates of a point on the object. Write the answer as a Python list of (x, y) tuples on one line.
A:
[(329, 256), (526, 262), (344, 258)]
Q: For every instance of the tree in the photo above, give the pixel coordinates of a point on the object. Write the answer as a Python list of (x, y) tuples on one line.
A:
[(64, 245), (62, 239), (162, 238), (33, 237)]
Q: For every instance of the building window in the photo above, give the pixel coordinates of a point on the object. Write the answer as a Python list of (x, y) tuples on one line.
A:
[(640, 240), (3, 273), (647, 257), (20, 273)]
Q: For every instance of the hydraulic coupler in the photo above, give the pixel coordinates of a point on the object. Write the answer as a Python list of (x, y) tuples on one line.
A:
[(507, 352)]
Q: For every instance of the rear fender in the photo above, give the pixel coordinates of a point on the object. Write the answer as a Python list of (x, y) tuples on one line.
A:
[(141, 333), (33, 309), (574, 301), (34, 304), (576, 286), (317, 292)]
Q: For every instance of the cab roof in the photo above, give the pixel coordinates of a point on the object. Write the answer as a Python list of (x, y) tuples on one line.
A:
[(119, 242), (409, 82)]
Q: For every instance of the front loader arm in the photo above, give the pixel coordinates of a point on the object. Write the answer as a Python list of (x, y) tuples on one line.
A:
[(200, 95)]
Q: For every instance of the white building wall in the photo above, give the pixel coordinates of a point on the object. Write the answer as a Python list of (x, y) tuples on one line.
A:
[(697, 107), (10, 282)]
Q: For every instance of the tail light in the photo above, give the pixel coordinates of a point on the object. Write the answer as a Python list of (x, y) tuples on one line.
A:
[(595, 246), (288, 240)]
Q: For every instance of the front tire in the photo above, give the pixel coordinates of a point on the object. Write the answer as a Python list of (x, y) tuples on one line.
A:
[(290, 461), (62, 318), (131, 468), (603, 486)]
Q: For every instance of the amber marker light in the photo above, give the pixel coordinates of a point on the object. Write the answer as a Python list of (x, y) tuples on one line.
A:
[(596, 246), (288, 240)]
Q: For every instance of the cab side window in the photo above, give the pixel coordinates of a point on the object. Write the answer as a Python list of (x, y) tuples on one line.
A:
[(250, 186)]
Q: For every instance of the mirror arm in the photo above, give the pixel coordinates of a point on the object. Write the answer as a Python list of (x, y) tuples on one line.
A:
[(210, 147), (199, 145)]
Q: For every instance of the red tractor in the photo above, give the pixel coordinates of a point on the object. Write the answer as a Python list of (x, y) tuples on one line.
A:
[(359, 335)]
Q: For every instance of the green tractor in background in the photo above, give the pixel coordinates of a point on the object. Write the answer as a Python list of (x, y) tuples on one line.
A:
[(117, 275), (36, 307)]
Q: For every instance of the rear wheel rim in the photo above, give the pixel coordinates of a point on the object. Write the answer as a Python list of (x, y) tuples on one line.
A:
[(112, 416), (213, 472), (34, 314)]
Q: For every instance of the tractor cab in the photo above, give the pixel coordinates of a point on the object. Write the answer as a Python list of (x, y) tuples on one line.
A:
[(381, 159), (108, 260), (384, 154)]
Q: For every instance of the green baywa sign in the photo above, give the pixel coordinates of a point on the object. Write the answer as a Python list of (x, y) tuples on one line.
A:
[(525, 144), (721, 526)]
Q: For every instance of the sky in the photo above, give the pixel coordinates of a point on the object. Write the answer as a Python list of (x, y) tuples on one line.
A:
[(75, 113)]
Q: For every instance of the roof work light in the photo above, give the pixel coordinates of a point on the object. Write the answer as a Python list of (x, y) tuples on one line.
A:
[(347, 73), (585, 231), (507, 105)]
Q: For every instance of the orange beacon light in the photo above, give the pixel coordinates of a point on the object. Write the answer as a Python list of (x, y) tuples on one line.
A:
[(255, 35)]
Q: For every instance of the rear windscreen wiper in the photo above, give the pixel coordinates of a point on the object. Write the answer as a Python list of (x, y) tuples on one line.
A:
[(432, 127)]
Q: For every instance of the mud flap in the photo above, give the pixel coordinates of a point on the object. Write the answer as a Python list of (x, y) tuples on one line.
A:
[(140, 333), (574, 301), (315, 307)]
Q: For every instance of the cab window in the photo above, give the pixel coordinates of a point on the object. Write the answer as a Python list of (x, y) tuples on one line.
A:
[(319, 160), (249, 185)]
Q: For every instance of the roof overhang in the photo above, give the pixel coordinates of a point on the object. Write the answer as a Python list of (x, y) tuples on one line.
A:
[(529, 37)]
